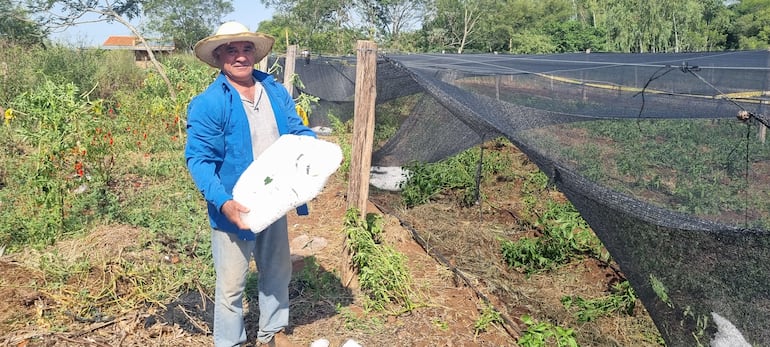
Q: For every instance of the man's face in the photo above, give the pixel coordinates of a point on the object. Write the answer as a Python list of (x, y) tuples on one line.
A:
[(236, 60)]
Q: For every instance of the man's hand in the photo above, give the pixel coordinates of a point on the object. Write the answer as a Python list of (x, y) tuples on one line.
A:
[(232, 210)]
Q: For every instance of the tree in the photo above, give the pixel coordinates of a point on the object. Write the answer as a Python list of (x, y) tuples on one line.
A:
[(310, 23), (455, 22), (752, 24), (389, 18), (716, 25), (185, 21), (61, 14), (576, 36), (16, 26)]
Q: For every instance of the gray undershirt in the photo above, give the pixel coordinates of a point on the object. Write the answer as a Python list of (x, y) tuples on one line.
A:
[(262, 125)]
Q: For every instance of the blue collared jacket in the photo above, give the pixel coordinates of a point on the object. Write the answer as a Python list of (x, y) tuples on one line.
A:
[(218, 148)]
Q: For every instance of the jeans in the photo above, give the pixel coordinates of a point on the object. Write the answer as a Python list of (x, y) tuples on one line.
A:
[(231, 263)]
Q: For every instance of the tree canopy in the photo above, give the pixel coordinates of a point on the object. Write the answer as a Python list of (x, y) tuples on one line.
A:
[(184, 22), (525, 26), (17, 26), (505, 26)]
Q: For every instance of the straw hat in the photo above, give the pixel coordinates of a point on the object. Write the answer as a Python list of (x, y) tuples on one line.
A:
[(232, 32)]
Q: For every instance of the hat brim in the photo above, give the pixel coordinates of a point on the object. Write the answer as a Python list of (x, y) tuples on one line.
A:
[(204, 49)]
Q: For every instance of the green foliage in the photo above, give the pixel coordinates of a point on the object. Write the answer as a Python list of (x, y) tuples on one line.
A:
[(316, 284), (660, 290), (184, 22), (488, 317), (343, 131), (61, 64), (544, 334), (390, 116), (565, 236), (621, 299), (687, 316), (456, 174), (115, 71), (533, 185), (366, 323), (58, 271), (188, 76), (16, 80), (16, 26), (320, 26), (679, 165), (531, 42), (382, 271), (71, 161), (576, 36), (60, 184)]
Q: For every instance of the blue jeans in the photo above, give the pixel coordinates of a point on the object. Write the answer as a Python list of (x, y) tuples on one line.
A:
[(231, 263)]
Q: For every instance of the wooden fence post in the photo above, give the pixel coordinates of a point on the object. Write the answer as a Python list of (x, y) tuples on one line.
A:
[(263, 64), (288, 70), (363, 139)]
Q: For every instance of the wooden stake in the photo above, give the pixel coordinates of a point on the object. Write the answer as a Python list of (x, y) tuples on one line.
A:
[(263, 64), (363, 139), (288, 71)]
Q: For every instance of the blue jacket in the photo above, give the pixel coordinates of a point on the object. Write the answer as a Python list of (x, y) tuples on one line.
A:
[(218, 146)]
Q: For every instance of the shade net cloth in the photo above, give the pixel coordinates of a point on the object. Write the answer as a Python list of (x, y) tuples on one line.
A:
[(648, 147)]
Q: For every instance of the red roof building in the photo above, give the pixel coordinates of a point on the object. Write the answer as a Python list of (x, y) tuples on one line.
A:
[(134, 44)]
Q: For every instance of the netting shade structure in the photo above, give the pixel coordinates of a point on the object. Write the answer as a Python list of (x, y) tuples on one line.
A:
[(648, 147)]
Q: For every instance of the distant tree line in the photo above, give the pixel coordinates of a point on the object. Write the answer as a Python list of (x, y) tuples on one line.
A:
[(505, 26), (524, 26)]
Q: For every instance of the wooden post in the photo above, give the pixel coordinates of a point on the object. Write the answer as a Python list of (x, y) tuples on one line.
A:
[(288, 70), (263, 64), (363, 139), (363, 126)]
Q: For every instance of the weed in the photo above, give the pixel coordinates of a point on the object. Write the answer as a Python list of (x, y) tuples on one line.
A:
[(343, 130), (440, 324), (364, 324), (544, 334), (382, 271), (61, 181), (390, 115), (699, 322), (458, 173), (660, 290), (314, 284), (566, 236), (621, 299), (488, 317)]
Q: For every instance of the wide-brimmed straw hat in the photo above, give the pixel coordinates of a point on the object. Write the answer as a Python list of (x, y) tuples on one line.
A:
[(232, 32)]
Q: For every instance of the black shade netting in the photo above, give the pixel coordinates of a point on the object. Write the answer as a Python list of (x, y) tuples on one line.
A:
[(648, 147)]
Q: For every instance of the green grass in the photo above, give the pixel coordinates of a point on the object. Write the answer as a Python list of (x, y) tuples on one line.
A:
[(622, 299)]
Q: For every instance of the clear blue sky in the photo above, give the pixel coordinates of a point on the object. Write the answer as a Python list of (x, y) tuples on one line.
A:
[(248, 12)]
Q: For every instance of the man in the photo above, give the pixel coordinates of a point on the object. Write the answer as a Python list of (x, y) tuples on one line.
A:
[(234, 120)]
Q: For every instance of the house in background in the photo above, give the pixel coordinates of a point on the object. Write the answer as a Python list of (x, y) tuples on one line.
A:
[(133, 43)]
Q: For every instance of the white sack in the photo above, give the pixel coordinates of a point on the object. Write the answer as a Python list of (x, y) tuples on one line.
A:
[(288, 174)]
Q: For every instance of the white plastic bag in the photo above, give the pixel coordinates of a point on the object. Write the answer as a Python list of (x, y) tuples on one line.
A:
[(288, 174)]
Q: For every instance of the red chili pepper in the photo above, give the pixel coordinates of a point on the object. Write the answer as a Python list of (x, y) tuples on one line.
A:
[(79, 169)]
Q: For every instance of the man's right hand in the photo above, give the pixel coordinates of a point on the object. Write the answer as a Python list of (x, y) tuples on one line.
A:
[(232, 210)]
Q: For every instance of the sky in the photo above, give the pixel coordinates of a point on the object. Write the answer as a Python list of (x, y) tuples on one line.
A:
[(248, 12)]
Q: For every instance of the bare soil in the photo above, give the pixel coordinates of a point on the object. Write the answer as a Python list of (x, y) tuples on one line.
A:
[(453, 256)]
